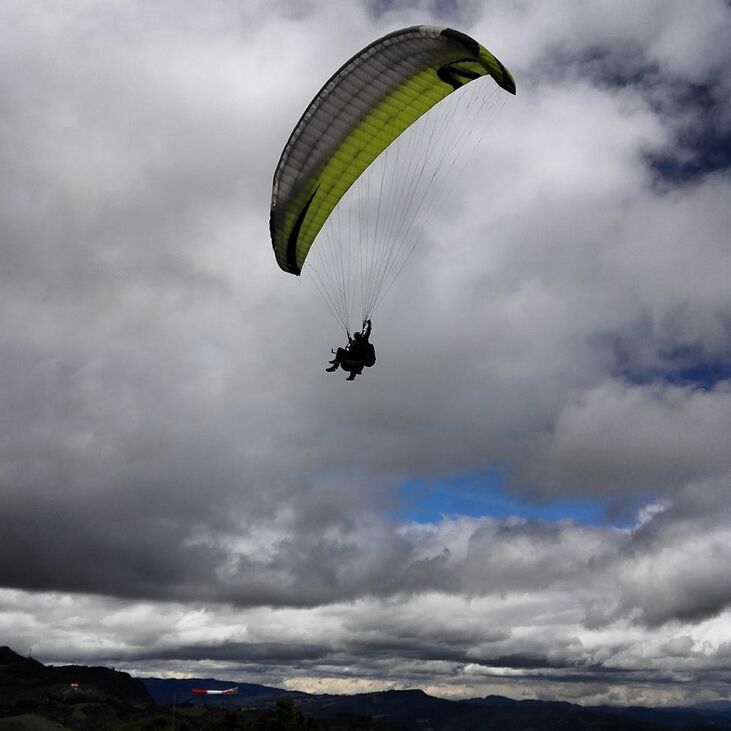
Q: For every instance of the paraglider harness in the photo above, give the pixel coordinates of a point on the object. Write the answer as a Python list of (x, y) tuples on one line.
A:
[(359, 353)]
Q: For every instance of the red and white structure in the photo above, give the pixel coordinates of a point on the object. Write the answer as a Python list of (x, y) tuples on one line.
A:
[(205, 691)]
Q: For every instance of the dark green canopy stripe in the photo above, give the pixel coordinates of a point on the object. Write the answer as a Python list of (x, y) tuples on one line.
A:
[(364, 107)]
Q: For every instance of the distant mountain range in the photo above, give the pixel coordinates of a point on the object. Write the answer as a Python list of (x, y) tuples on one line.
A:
[(90, 698), (177, 690), (414, 709)]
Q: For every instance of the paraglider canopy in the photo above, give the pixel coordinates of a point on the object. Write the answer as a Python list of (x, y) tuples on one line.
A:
[(363, 108)]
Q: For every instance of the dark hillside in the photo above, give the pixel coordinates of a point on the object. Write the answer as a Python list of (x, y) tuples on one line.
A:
[(80, 698), (414, 710), (25, 682)]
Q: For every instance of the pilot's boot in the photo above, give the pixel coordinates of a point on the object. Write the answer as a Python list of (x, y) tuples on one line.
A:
[(351, 377), (332, 368)]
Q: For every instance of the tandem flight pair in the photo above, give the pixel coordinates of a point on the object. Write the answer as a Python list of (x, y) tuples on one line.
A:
[(396, 84)]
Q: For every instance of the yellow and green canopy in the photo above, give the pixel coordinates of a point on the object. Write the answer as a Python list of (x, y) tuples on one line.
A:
[(359, 112)]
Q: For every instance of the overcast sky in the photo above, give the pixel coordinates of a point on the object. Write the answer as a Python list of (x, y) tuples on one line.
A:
[(527, 495)]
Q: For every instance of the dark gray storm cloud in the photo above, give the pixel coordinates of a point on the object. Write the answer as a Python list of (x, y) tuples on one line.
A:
[(182, 483)]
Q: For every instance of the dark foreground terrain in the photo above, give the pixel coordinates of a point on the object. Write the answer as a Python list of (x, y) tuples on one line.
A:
[(36, 697)]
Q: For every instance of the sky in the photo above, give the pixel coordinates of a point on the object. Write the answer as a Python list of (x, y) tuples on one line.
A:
[(528, 495)]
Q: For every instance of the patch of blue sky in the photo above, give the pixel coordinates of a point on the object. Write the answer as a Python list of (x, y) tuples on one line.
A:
[(700, 154), (696, 112), (702, 375), (703, 143), (685, 369), (486, 494)]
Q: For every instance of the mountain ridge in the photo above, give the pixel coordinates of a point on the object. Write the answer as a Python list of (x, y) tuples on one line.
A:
[(108, 697)]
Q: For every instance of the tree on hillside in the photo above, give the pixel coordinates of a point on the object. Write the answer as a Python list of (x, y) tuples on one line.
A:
[(285, 717)]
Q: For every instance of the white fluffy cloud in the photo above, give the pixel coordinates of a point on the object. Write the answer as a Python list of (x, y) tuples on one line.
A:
[(170, 443), (482, 606)]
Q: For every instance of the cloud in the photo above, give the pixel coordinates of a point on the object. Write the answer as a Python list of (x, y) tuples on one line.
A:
[(185, 489), (629, 438), (515, 603)]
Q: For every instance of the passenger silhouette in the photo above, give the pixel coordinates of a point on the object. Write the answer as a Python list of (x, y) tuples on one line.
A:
[(356, 355)]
